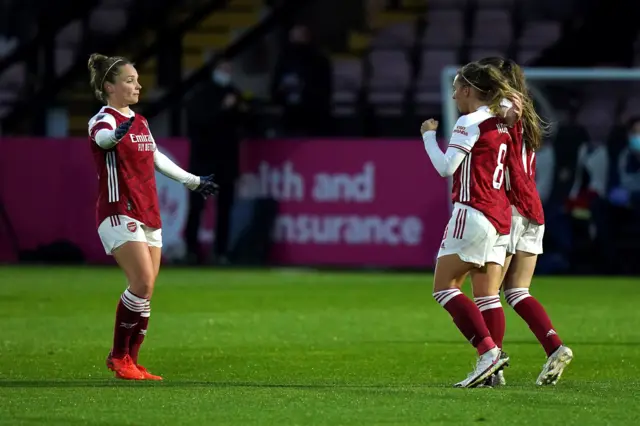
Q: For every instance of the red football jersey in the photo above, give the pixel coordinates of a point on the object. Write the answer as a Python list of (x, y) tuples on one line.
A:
[(521, 178), (479, 180), (126, 172)]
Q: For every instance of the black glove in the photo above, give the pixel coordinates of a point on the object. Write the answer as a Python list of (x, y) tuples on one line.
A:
[(123, 128), (207, 186)]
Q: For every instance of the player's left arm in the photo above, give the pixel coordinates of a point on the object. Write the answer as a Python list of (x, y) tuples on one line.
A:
[(171, 170), (202, 184)]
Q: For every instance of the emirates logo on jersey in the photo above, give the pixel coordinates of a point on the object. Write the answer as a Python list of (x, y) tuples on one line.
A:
[(462, 130), (132, 226), (141, 138), (145, 143)]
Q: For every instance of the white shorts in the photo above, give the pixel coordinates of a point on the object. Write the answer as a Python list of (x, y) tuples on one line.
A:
[(471, 236), (114, 231), (525, 235)]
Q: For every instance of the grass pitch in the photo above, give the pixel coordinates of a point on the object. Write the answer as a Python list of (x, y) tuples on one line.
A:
[(298, 348)]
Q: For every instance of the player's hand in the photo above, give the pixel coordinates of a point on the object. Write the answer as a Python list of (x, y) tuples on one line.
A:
[(123, 128), (428, 125), (512, 115), (207, 186)]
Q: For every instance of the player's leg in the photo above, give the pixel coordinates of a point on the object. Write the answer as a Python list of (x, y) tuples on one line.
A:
[(140, 330), (462, 250), (516, 289), (449, 276), (123, 237), (486, 287), (494, 318), (518, 281), (134, 259), (486, 294), (494, 321), (486, 283), (507, 264), (154, 239)]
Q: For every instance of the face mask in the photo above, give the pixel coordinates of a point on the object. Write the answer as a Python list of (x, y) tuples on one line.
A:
[(221, 77), (634, 142)]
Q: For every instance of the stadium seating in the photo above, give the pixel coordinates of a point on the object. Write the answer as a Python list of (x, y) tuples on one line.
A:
[(398, 58), (445, 28), (492, 28), (447, 33), (109, 17)]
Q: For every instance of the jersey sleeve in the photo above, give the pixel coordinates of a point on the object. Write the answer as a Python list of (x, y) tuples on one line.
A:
[(465, 133), (164, 165), (445, 163), (102, 121)]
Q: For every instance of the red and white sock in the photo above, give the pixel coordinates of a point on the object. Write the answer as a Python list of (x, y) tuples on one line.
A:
[(139, 332), (532, 312), (493, 315), (467, 317), (128, 313)]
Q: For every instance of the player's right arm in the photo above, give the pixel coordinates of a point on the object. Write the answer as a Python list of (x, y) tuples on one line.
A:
[(464, 136), (105, 133)]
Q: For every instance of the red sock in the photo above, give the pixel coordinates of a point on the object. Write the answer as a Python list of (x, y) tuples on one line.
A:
[(127, 316), (493, 315), (532, 312), (139, 333), (467, 317)]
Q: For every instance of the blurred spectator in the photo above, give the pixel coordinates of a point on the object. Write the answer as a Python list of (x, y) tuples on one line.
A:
[(557, 238), (302, 85), (592, 171), (215, 113), (588, 207), (571, 135), (628, 192), (545, 167)]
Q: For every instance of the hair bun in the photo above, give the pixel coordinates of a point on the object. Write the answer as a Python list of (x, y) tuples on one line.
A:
[(508, 65), (96, 61)]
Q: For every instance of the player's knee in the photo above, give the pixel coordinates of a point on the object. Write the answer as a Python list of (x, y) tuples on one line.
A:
[(514, 280), (485, 292), (486, 282), (142, 283), (489, 286)]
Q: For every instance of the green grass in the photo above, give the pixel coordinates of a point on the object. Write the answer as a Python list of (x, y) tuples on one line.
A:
[(294, 348)]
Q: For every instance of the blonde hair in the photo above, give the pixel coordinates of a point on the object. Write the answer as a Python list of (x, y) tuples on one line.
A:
[(492, 87), (534, 127), (104, 69)]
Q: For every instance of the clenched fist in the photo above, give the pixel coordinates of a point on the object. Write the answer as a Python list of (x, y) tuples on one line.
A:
[(428, 125)]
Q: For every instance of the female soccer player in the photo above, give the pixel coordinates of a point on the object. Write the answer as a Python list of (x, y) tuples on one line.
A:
[(127, 211), (475, 235), (527, 225)]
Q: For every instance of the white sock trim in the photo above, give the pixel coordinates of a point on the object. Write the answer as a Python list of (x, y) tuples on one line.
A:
[(516, 295), (147, 310), (485, 303), (444, 296), (133, 302)]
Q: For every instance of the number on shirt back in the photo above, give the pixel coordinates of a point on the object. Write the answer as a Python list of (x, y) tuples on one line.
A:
[(498, 174)]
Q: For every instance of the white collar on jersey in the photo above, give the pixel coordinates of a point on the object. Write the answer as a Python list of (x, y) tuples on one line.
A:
[(131, 113)]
